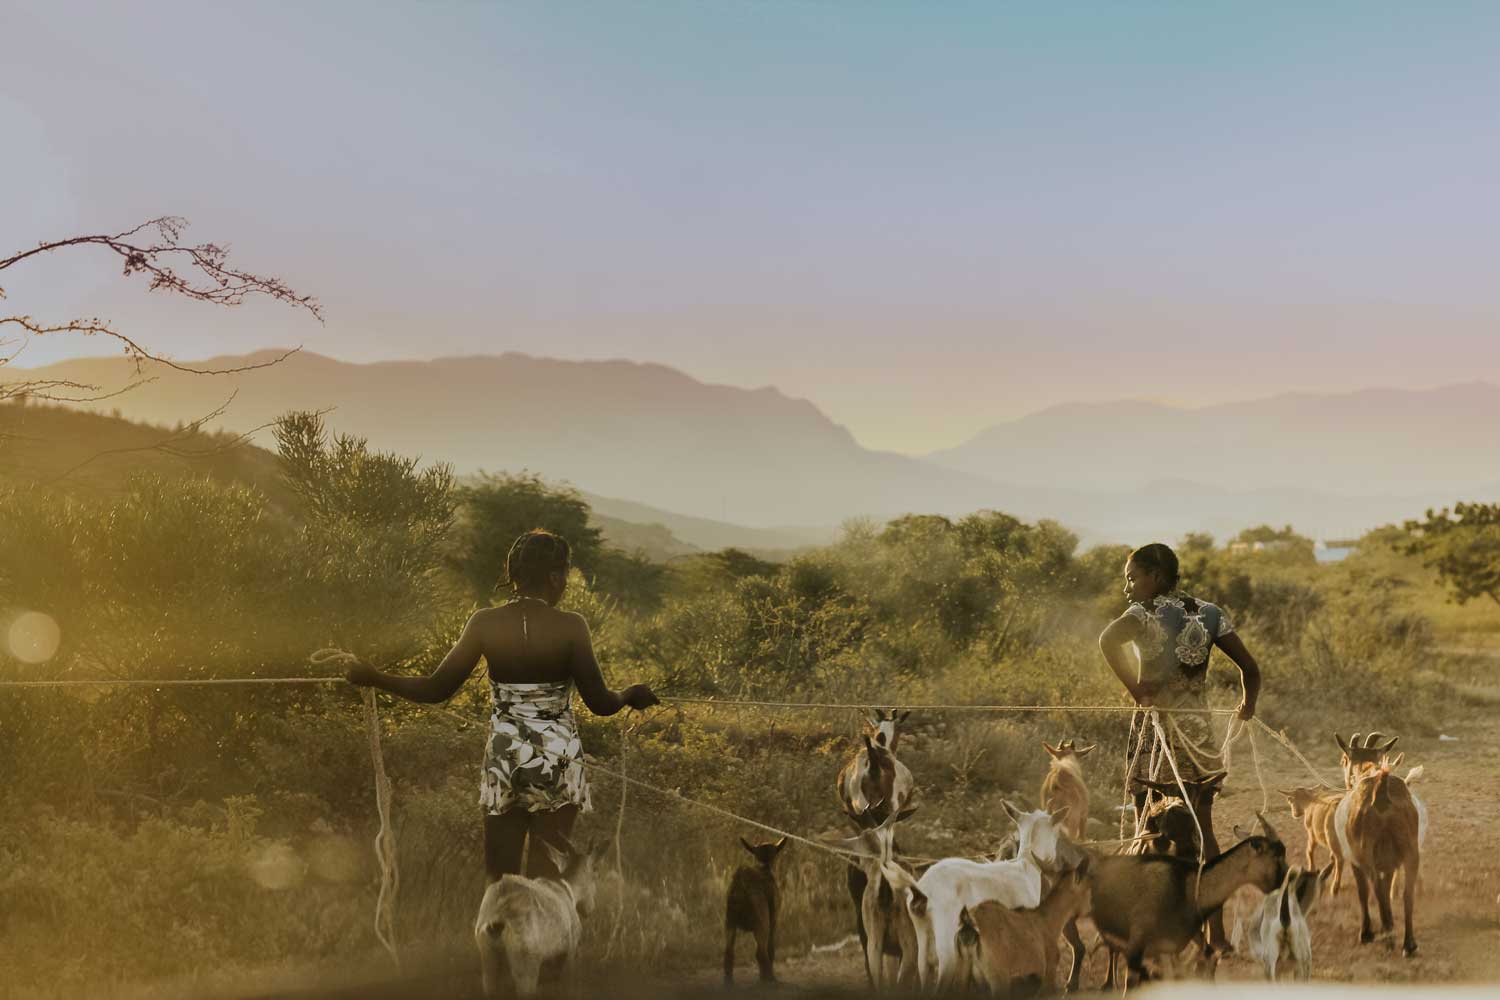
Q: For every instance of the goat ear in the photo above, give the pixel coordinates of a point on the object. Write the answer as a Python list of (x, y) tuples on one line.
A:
[(561, 860), (1395, 761), (747, 845), (1389, 743), (1342, 745), (873, 717), (1269, 830), (905, 814), (1059, 814), (1010, 810), (779, 846), (902, 716), (1087, 750), (1051, 750)]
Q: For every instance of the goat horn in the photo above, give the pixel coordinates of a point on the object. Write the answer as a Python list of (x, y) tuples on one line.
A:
[(1372, 738)]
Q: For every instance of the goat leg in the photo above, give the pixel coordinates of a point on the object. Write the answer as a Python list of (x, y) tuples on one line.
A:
[(1075, 942), (729, 930), (763, 953), (1408, 904), (1362, 883), (1384, 884)]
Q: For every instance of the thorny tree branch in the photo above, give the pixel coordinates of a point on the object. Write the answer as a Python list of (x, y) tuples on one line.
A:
[(161, 248), (155, 248)]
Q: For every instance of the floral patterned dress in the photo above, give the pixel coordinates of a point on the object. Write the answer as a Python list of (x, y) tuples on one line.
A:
[(533, 760), (1179, 633)]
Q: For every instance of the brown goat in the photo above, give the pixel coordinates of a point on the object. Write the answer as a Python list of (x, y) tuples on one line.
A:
[(997, 945), (751, 905), (1064, 785), (1378, 828), (1315, 807)]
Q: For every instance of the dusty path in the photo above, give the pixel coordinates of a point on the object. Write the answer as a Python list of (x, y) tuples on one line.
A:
[(1457, 915)]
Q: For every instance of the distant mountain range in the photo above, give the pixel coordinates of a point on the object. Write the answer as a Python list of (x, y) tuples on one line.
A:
[(718, 457)]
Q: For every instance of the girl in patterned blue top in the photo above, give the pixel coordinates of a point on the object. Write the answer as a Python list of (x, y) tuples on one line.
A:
[(1172, 634), (533, 784)]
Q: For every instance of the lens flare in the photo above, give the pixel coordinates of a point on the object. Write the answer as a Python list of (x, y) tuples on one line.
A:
[(277, 867), (33, 637)]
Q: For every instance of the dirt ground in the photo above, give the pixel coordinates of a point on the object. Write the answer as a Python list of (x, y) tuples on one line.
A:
[(1457, 915)]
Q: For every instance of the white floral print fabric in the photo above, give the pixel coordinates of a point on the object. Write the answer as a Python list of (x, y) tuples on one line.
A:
[(533, 760)]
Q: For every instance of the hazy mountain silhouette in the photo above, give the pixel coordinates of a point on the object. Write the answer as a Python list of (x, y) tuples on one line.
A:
[(1376, 441), (709, 459)]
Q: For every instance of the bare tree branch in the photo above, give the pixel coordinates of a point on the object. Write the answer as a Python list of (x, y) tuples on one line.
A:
[(161, 249)]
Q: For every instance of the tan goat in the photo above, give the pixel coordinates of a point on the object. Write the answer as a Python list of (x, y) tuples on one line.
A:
[(1379, 833), (1315, 807), (1064, 785), (997, 946)]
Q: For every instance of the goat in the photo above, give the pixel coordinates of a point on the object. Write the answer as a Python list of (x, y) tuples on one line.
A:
[(535, 921), (1379, 830), (1315, 807), (1171, 822), (751, 905), (954, 883), (1064, 785), (996, 946), (1064, 788), (1279, 925), (1358, 756), (891, 907), (1154, 904), (873, 786), (873, 783)]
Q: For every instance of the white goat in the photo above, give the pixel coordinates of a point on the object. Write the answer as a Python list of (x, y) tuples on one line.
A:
[(535, 921), (955, 883), (1278, 927)]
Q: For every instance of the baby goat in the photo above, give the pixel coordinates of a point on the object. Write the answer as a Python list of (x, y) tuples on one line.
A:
[(1279, 925), (996, 946), (535, 921), (1315, 807), (751, 906)]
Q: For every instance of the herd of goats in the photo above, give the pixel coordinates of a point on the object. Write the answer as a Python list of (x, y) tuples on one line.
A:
[(995, 923)]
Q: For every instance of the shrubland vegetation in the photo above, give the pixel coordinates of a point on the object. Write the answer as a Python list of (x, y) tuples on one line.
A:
[(148, 833)]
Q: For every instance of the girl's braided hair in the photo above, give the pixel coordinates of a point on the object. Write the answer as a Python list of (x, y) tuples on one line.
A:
[(1158, 558), (534, 557)]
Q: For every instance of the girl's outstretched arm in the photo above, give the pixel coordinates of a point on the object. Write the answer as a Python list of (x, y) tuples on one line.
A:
[(597, 695), (438, 686)]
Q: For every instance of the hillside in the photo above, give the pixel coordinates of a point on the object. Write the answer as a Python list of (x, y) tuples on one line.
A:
[(759, 470), (76, 450), (613, 428), (1369, 443)]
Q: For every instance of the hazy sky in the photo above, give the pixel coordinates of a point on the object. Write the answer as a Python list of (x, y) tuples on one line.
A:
[(924, 217)]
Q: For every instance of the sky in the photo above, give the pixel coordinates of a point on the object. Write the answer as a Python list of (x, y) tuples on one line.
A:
[(926, 218)]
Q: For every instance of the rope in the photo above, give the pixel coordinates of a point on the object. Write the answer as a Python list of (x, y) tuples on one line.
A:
[(916, 707), (1166, 749), (200, 682), (1282, 738), (385, 838)]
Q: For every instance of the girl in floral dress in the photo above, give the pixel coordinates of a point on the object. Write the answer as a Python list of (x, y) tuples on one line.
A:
[(533, 785)]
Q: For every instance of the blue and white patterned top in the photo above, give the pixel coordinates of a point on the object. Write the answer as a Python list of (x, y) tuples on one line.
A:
[(1179, 634)]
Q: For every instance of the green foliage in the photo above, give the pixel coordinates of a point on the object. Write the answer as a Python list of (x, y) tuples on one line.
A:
[(1463, 547), (498, 509)]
